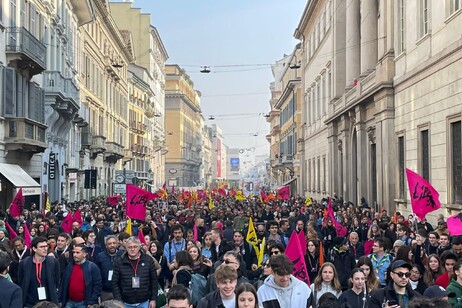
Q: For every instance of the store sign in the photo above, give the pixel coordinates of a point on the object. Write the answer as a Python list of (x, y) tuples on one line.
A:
[(52, 166)]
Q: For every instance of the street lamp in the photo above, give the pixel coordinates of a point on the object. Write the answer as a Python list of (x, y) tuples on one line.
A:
[(292, 173)]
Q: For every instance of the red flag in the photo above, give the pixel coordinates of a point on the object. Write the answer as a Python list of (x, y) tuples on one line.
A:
[(321, 254), (173, 189), (424, 197), (295, 254), (341, 230), (368, 247), (164, 186), (141, 237), (113, 200), (66, 224), (395, 217), (222, 192), (195, 232), (262, 195), (455, 224), (283, 193), (17, 204), (136, 201), (232, 192), (11, 232), (27, 239), (302, 240), (77, 217)]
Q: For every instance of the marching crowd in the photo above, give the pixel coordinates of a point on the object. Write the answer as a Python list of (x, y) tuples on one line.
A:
[(191, 254)]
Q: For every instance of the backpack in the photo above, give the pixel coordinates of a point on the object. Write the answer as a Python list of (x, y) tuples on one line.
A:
[(197, 287)]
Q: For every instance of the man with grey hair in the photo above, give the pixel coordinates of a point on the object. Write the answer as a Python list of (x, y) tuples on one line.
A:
[(105, 261), (135, 279)]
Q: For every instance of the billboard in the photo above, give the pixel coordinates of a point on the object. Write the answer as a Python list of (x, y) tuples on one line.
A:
[(234, 163)]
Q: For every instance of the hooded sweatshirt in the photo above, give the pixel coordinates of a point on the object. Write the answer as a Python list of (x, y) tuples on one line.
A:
[(454, 286), (296, 295)]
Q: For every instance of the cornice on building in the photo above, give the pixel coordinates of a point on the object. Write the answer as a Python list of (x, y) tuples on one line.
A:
[(162, 48), (287, 91)]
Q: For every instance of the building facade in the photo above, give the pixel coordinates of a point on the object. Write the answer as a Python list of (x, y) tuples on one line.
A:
[(183, 129)]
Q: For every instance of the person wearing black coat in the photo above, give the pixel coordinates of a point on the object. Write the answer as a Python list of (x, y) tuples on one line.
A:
[(10, 293), (48, 273), (101, 231), (397, 290), (105, 262), (225, 275), (135, 277), (343, 260)]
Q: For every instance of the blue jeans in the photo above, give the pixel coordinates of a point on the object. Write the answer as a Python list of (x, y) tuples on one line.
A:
[(72, 304), (140, 305)]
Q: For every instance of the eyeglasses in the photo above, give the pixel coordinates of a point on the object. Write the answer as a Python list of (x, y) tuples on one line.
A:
[(133, 247), (401, 274), (227, 261), (275, 252)]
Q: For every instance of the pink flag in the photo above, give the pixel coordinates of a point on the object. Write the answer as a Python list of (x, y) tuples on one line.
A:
[(77, 217), (222, 192), (368, 247), (66, 224), (302, 240), (195, 232), (424, 197), (173, 189), (283, 193), (295, 254), (141, 237), (455, 224), (341, 230), (113, 200), (27, 239), (263, 195), (11, 232), (136, 201), (17, 204)]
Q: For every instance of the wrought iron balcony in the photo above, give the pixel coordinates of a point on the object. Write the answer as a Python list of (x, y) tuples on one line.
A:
[(26, 135), (26, 50)]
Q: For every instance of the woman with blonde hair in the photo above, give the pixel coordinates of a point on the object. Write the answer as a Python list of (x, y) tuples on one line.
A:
[(326, 281)]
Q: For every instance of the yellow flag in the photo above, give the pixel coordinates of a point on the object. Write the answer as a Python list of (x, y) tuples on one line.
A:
[(128, 229), (240, 195), (308, 201), (211, 205), (252, 236), (48, 205), (262, 252)]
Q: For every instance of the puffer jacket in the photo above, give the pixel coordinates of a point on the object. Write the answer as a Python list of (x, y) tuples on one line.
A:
[(122, 280)]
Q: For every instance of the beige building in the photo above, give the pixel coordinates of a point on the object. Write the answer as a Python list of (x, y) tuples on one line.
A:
[(428, 92), (183, 125), (150, 53), (104, 90), (285, 164)]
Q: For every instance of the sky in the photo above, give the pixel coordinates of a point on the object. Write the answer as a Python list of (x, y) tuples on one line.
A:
[(238, 40)]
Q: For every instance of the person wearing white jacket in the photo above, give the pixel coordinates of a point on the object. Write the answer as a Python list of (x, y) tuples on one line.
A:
[(282, 289)]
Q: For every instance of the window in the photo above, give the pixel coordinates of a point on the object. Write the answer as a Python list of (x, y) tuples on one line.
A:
[(454, 6), (319, 174), (323, 95), (313, 188), (424, 17), (324, 171), (309, 174), (456, 159), (401, 167), (374, 172), (424, 155), (401, 28), (319, 98), (308, 107)]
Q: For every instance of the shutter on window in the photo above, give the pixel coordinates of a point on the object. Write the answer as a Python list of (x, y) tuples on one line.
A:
[(9, 92)]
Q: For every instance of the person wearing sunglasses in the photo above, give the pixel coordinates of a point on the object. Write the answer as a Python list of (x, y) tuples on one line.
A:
[(398, 292)]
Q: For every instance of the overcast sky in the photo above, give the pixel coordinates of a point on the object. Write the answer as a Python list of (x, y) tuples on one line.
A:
[(247, 35)]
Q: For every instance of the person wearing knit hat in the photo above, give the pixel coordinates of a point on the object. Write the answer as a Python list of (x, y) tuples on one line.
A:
[(343, 260)]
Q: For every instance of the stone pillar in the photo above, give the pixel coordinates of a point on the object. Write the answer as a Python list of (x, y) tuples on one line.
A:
[(346, 154), (368, 36), (361, 150), (333, 178), (353, 32)]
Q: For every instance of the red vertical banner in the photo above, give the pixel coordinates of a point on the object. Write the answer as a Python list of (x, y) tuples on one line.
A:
[(17, 204), (296, 255)]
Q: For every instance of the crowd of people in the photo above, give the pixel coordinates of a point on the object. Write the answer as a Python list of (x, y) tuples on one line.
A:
[(191, 254)]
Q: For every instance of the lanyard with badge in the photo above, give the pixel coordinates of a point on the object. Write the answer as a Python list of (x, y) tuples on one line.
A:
[(38, 273), (135, 279)]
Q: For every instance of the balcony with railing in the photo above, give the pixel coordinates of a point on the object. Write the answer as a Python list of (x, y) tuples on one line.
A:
[(98, 146), (62, 91), (26, 135), (114, 152), (26, 50)]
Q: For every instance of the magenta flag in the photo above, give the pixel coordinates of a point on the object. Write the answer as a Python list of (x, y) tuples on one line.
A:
[(17, 204), (27, 239), (66, 224), (113, 200), (455, 224), (136, 201), (11, 232), (302, 240), (341, 230), (368, 247), (263, 195), (77, 217), (284, 193), (295, 254), (424, 197), (195, 232)]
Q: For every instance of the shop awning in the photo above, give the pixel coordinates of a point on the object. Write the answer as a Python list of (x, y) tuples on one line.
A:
[(20, 179), (288, 182)]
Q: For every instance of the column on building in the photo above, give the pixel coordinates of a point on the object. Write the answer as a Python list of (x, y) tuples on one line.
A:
[(345, 136), (368, 36), (334, 179), (353, 32), (361, 150)]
